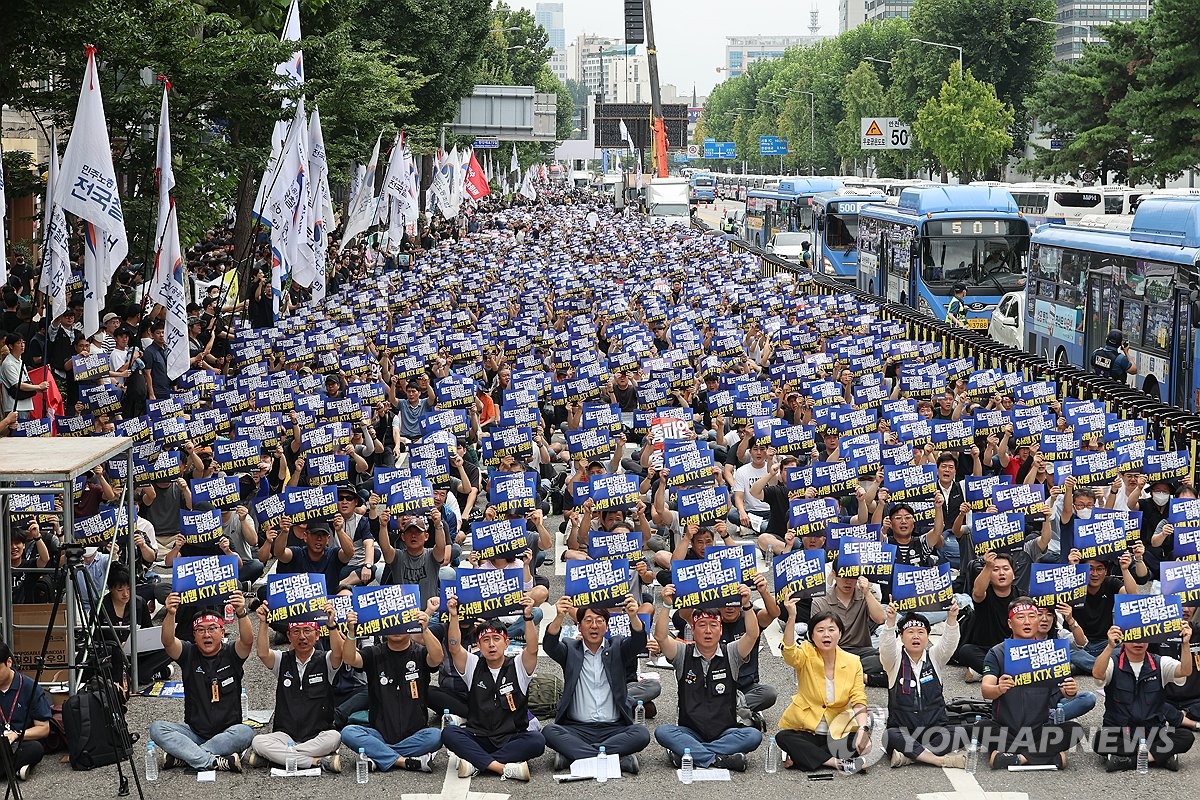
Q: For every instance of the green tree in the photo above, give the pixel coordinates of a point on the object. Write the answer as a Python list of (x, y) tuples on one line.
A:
[(965, 126), (863, 96)]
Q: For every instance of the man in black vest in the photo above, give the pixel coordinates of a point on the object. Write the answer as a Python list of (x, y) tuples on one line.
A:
[(496, 737), (707, 674), (303, 697), (212, 733), (1135, 704), (918, 727), (398, 675), (594, 708)]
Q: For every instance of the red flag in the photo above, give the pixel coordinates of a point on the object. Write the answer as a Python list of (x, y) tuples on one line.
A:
[(51, 399), (476, 183)]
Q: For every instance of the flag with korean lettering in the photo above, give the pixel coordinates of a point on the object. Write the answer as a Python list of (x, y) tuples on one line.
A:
[(799, 574), (1184, 516), (1167, 466), (870, 558), (513, 492), (1148, 617), (707, 583), (501, 538), (951, 434), (384, 610), (411, 496), (305, 504), (1051, 585), (1099, 538), (910, 483), (1181, 578), (204, 580), (1024, 498), (810, 517), (221, 491), (1003, 530), (688, 463), (298, 597), (702, 505), (614, 492), (589, 444), (1031, 661), (236, 455), (200, 527), (603, 581), (922, 588), (746, 553), (618, 544), (488, 593), (1094, 468)]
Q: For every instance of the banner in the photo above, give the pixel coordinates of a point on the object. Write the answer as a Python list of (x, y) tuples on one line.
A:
[(745, 553), (1181, 578), (1058, 584), (1184, 516), (1024, 498), (1094, 469), (1004, 530), (621, 544), (204, 580), (299, 597), (978, 491), (501, 538), (707, 583), (687, 464), (810, 517), (219, 490), (512, 492), (101, 528), (605, 582), (488, 593), (384, 610), (614, 492), (1148, 617), (411, 496), (953, 434), (910, 483), (237, 455), (200, 527), (1099, 538), (590, 444), (306, 504), (1030, 661), (870, 558), (702, 505), (800, 573), (921, 589)]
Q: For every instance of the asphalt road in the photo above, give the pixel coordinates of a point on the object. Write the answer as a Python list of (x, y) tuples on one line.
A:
[(54, 780)]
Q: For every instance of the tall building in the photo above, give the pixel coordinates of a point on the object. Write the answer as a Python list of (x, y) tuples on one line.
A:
[(587, 49), (620, 74), (1080, 22), (851, 14), (742, 51), (550, 17), (886, 9)]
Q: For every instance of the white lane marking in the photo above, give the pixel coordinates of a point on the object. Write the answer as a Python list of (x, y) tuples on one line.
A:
[(967, 788), (455, 788), (560, 547)]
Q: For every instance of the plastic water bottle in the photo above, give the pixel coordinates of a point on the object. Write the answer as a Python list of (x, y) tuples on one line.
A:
[(360, 767), (1143, 758), (569, 631), (687, 633), (639, 713), (602, 766), (151, 762), (685, 766), (973, 749), (245, 705), (772, 764), (1059, 715), (447, 719), (291, 764)]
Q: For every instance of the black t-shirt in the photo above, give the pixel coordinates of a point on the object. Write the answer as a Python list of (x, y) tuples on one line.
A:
[(1095, 616), (989, 622), (224, 670), (24, 703), (397, 688), (777, 498), (329, 564), (627, 398)]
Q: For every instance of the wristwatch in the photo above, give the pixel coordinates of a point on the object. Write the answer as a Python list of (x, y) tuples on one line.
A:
[(242, 614)]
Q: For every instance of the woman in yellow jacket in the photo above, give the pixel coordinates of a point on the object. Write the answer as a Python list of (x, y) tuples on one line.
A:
[(827, 724)]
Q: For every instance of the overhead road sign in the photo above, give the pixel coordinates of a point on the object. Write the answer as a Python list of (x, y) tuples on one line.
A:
[(772, 146)]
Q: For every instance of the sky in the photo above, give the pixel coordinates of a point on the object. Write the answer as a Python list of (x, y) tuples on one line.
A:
[(691, 33)]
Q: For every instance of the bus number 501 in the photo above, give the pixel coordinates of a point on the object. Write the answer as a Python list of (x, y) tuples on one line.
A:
[(956, 227)]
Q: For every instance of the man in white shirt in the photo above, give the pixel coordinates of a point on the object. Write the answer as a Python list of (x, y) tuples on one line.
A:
[(15, 378), (749, 511)]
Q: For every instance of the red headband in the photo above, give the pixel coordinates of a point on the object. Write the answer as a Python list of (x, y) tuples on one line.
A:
[(1021, 608), (706, 612), (304, 624), (207, 618)]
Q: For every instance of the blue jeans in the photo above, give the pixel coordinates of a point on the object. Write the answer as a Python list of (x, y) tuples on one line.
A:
[(964, 602), (1075, 707), (732, 740), (179, 740), (516, 630), (385, 756), (1083, 658), (950, 549)]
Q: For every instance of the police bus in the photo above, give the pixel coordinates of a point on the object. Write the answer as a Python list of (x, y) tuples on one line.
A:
[(914, 253), (836, 235), (1055, 203), (702, 187), (787, 207), (1140, 279)]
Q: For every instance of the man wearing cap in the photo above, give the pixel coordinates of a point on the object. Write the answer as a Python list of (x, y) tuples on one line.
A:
[(706, 673), (594, 708), (1019, 732), (496, 737), (414, 563), (362, 569), (918, 727), (398, 675), (316, 554), (212, 733), (1095, 614), (956, 309), (303, 696), (1113, 360), (1135, 703)]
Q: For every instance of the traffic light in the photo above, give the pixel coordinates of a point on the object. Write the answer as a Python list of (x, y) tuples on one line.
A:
[(635, 22)]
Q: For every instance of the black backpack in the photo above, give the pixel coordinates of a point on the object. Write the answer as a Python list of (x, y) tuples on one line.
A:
[(89, 718)]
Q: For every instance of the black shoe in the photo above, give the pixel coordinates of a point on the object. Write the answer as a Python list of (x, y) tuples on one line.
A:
[(171, 762), (676, 759), (651, 709), (877, 680), (1006, 760), (561, 762), (1117, 763), (229, 763), (758, 721), (1171, 763), (630, 765), (735, 762)]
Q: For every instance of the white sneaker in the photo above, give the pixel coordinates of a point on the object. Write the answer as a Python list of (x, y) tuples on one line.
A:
[(971, 676), (517, 771), (426, 762), (467, 770)]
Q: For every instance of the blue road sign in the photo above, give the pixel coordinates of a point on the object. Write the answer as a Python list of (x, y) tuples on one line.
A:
[(486, 143), (720, 150), (772, 145), (1056, 144)]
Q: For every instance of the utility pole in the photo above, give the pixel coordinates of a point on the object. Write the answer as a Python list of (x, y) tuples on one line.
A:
[(659, 125)]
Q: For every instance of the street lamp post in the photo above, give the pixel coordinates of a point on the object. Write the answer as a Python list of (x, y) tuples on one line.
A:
[(1088, 32), (948, 47), (877, 60)]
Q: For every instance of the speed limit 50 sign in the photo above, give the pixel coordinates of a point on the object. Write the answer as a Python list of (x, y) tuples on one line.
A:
[(884, 133)]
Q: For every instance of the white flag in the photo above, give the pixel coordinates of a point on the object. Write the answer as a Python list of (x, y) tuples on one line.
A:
[(362, 209), (441, 187), (56, 260), (173, 299), (165, 174), (88, 189), (291, 74), (514, 165), (321, 216), (393, 182), (527, 190), (3, 214), (287, 206), (410, 204)]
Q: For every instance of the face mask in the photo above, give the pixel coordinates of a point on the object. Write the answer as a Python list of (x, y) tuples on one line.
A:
[(1160, 498), (1083, 513)]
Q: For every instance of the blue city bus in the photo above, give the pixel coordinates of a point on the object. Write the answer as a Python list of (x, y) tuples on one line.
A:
[(936, 236), (787, 207), (1086, 281), (836, 235), (702, 187)]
